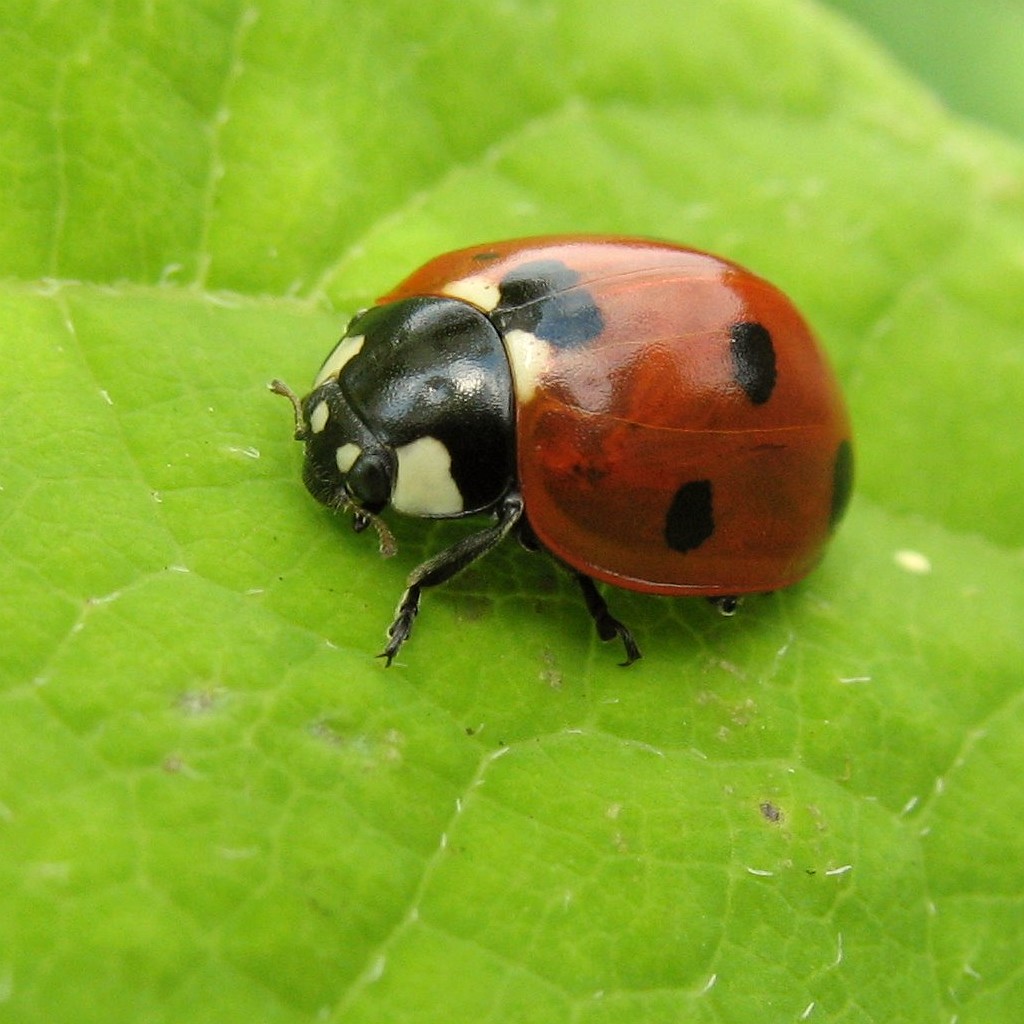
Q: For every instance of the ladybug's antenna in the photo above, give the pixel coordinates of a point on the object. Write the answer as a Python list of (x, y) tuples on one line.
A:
[(280, 388)]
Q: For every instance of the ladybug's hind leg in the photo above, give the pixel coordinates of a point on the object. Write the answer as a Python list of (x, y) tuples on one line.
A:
[(727, 604), (443, 567), (608, 627)]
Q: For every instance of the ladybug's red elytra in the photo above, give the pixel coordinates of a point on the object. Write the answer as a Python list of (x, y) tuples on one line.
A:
[(656, 418)]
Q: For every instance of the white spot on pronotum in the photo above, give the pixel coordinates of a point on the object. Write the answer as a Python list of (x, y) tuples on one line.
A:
[(346, 455), (318, 417), (913, 562), (346, 349), (478, 291), (425, 486), (529, 358)]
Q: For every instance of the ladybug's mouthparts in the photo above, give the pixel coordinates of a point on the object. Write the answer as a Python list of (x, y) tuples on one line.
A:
[(363, 519)]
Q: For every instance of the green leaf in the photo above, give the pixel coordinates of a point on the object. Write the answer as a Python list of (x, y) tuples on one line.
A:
[(969, 51), (217, 805)]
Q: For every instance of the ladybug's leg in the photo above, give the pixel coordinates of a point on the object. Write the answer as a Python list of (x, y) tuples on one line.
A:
[(726, 605), (444, 566), (608, 627)]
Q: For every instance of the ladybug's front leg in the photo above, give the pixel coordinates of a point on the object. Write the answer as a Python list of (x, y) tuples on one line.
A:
[(443, 567)]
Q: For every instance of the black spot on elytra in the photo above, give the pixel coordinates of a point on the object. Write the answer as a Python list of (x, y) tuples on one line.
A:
[(544, 299), (842, 482), (753, 360), (690, 520)]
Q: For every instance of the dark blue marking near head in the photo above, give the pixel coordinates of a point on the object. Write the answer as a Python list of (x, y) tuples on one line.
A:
[(842, 482), (544, 299), (690, 519), (753, 360)]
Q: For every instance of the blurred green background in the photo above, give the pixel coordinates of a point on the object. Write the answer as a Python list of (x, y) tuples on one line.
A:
[(971, 52)]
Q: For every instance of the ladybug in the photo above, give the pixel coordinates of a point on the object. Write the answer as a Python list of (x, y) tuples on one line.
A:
[(655, 417)]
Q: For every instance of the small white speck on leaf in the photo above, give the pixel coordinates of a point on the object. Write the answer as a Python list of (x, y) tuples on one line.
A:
[(249, 453), (912, 561), (376, 970), (238, 852)]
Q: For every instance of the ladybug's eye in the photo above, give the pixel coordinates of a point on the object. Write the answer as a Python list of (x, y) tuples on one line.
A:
[(370, 480)]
